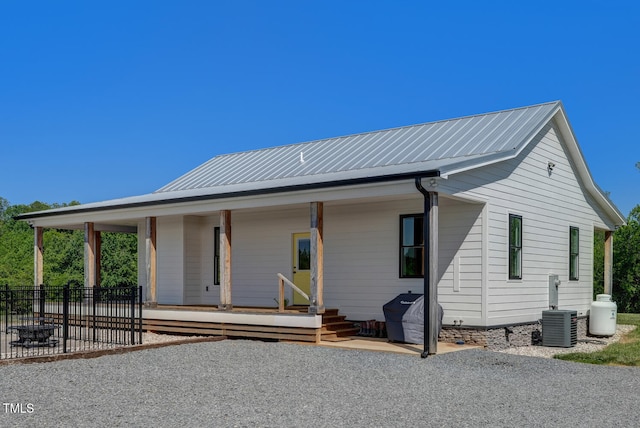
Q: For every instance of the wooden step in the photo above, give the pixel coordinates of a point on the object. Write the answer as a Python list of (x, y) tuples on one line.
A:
[(328, 319), (335, 327), (342, 333), (338, 326), (335, 339)]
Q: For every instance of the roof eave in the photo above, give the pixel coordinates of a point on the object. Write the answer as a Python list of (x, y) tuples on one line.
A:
[(227, 195), (576, 153), (577, 156)]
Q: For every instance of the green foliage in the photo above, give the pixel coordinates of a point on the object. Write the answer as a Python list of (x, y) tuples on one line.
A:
[(623, 353), (63, 258), (118, 265), (598, 263), (626, 264), (16, 245)]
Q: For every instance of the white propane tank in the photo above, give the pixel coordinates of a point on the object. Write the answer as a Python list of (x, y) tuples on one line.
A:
[(602, 318)]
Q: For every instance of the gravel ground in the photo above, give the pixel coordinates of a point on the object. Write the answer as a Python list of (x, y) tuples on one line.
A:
[(590, 344), (250, 383)]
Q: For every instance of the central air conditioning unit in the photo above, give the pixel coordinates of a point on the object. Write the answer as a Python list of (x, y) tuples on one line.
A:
[(560, 328)]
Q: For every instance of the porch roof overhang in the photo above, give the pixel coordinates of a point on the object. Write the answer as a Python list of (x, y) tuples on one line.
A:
[(122, 211)]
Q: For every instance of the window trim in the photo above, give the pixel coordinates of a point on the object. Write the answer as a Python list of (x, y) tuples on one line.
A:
[(574, 276), (401, 245), (512, 245)]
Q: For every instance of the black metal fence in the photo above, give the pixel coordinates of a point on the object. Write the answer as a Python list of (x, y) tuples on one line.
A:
[(49, 320)]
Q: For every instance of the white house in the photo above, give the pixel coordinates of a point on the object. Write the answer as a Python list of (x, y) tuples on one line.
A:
[(508, 199)]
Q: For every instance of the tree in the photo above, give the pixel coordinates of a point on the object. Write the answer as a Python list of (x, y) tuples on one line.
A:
[(626, 264), (63, 259), (598, 262), (16, 246), (119, 259)]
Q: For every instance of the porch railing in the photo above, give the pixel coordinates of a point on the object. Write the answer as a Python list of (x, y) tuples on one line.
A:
[(49, 320), (282, 280)]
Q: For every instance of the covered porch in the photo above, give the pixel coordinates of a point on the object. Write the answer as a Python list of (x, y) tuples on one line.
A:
[(186, 262), (294, 325)]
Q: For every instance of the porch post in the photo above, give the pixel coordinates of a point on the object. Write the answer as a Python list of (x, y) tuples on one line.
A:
[(430, 263), (150, 261), (431, 255), (316, 301), (608, 262), (89, 255), (225, 260), (38, 253)]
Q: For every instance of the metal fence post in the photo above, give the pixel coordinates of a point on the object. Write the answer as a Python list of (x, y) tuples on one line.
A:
[(95, 297), (7, 295), (42, 304), (132, 313), (5, 308), (65, 317), (140, 315)]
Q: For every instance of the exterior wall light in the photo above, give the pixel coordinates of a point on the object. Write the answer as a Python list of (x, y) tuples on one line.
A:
[(550, 166)]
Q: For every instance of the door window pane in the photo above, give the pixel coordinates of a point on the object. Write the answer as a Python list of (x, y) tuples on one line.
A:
[(304, 254)]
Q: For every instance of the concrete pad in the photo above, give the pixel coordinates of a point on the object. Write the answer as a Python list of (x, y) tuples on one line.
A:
[(383, 345)]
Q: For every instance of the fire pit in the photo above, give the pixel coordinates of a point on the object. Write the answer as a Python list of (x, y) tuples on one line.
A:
[(39, 334)]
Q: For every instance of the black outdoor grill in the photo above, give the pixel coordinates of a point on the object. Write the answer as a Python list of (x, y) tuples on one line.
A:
[(404, 317)]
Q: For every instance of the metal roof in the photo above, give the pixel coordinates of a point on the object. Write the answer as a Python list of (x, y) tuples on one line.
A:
[(446, 146), (431, 149)]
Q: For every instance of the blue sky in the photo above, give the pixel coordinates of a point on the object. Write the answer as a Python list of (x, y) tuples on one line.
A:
[(101, 100)]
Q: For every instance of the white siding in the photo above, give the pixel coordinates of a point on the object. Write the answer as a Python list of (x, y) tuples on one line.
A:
[(210, 293), (362, 258), (185, 261), (549, 204), (261, 248), (361, 262), (460, 263), (170, 263), (192, 260)]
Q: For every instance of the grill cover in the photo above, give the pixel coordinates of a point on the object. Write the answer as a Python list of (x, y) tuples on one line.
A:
[(404, 318)]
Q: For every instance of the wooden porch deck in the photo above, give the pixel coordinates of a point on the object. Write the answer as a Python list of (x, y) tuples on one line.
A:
[(293, 324)]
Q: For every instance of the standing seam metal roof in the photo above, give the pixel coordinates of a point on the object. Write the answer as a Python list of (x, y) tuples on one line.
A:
[(443, 144)]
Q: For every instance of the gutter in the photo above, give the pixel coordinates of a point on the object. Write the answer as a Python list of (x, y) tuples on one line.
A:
[(254, 192), (427, 275)]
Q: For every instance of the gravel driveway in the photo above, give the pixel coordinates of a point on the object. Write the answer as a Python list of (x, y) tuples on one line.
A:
[(251, 383)]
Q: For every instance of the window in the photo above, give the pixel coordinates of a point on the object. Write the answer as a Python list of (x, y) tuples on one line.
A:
[(411, 246), (515, 246), (574, 252), (216, 256)]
